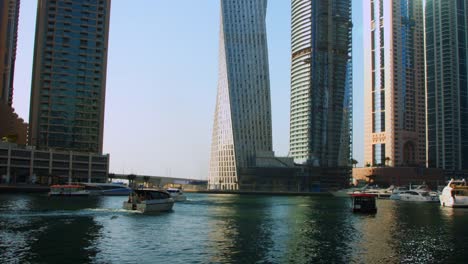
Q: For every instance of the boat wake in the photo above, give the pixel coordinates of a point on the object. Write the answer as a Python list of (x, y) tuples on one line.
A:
[(68, 213)]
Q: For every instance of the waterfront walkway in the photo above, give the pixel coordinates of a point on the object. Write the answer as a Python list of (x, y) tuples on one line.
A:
[(23, 188)]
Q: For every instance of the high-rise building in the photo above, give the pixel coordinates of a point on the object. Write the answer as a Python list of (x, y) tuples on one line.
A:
[(447, 85), (321, 82), (394, 83), (69, 75), (242, 120), (9, 14)]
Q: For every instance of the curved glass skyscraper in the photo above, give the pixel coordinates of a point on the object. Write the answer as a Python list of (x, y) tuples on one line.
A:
[(321, 81), (242, 120)]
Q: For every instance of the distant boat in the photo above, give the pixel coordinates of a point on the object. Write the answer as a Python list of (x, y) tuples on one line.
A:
[(177, 194), (149, 200), (68, 190), (107, 189), (455, 194), (349, 191), (380, 193)]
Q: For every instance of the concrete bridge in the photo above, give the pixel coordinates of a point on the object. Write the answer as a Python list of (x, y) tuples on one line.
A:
[(161, 181)]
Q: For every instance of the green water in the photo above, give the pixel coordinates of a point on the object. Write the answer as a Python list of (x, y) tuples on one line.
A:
[(229, 229)]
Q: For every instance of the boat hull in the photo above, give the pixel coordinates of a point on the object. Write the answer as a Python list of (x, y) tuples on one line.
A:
[(150, 206), (454, 202)]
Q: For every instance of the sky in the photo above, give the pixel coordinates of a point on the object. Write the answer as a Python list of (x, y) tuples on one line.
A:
[(162, 78)]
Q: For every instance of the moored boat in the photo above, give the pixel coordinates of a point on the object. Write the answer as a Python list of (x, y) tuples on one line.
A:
[(149, 200), (455, 194), (107, 189), (177, 194), (68, 190), (347, 192)]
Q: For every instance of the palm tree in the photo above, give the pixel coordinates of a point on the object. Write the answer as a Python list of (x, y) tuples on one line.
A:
[(131, 179), (354, 162), (146, 180), (387, 161), (110, 177)]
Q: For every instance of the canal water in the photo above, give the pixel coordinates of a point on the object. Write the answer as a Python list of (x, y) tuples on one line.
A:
[(211, 228)]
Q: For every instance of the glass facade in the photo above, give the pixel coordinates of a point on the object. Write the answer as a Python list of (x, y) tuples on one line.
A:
[(242, 121), (69, 74), (447, 86), (321, 78), (9, 14)]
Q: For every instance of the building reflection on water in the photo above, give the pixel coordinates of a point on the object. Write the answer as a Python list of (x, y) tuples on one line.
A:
[(281, 230), (229, 229), (241, 229)]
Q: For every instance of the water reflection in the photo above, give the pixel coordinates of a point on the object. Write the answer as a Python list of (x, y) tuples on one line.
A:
[(419, 236), (229, 229), (241, 229), (319, 232), (37, 229)]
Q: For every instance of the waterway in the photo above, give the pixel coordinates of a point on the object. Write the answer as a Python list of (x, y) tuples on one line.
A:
[(211, 228)]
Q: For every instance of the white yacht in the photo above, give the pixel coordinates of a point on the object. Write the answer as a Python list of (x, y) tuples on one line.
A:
[(177, 194), (455, 194), (149, 200), (414, 195)]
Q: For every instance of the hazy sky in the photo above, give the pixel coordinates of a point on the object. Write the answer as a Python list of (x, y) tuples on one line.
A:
[(161, 82)]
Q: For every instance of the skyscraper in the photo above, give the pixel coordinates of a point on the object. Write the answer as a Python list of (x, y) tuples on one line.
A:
[(394, 83), (242, 120), (321, 90), (69, 75), (9, 14), (447, 86)]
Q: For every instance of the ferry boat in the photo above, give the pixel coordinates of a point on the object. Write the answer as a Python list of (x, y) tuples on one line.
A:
[(68, 190), (364, 203), (177, 194), (149, 200), (108, 189), (455, 194)]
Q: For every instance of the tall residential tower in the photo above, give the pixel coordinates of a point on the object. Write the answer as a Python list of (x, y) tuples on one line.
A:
[(9, 14), (321, 82), (394, 83), (69, 75), (447, 84), (242, 120)]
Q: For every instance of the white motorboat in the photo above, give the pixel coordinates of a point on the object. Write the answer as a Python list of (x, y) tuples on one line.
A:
[(397, 191), (108, 189), (416, 195), (455, 194), (149, 200), (68, 190), (177, 194)]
